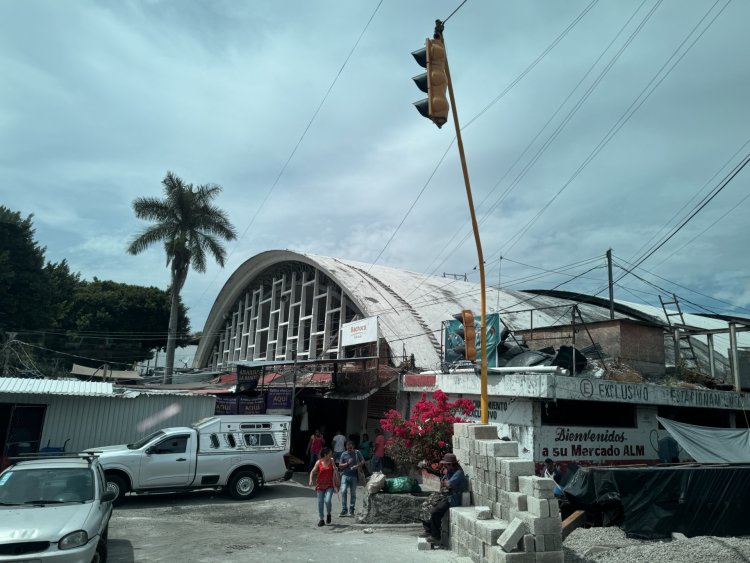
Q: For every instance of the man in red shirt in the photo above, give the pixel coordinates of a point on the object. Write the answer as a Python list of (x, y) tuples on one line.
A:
[(378, 451)]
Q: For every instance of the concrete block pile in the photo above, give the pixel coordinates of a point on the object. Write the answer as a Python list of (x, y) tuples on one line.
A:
[(515, 516)]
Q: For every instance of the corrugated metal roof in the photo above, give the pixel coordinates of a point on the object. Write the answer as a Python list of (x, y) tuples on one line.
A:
[(54, 386)]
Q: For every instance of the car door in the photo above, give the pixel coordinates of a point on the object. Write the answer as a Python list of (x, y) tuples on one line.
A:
[(168, 463)]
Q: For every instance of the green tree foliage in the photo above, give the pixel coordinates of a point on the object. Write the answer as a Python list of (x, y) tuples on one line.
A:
[(117, 323), (60, 318), (190, 227), (23, 285)]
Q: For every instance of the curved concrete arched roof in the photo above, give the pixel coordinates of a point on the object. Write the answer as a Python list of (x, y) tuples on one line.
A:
[(411, 306)]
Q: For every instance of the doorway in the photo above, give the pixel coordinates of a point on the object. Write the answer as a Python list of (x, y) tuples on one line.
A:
[(20, 429)]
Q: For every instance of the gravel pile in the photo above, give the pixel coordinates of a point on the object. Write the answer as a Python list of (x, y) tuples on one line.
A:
[(609, 545)]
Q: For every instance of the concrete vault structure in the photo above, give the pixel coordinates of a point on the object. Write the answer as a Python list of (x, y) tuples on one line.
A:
[(280, 301)]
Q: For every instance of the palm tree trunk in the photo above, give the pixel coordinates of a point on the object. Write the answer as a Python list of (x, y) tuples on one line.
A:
[(171, 335)]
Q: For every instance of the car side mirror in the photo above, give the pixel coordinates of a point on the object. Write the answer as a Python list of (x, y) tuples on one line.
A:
[(109, 496), (149, 451)]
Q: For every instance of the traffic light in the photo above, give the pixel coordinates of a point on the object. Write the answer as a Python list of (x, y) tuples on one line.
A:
[(468, 333), (434, 82)]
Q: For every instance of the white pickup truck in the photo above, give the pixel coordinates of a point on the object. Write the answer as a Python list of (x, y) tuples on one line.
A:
[(239, 453)]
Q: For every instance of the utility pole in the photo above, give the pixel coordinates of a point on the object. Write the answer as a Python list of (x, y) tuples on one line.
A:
[(611, 286), (6, 365)]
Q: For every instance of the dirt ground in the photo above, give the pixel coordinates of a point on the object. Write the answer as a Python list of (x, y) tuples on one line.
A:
[(278, 524)]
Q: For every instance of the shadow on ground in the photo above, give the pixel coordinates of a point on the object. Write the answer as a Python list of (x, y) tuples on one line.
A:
[(289, 489)]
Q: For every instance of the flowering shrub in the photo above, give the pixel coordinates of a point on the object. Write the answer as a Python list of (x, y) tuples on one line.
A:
[(427, 434)]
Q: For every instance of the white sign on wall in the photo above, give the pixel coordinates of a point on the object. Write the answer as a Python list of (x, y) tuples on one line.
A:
[(359, 332)]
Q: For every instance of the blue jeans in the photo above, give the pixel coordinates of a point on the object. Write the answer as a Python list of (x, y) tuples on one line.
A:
[(348, 484), (313, 459), (376, 463), (327, 498)]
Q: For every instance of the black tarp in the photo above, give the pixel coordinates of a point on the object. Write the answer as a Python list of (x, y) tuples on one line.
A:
[(653, 502)]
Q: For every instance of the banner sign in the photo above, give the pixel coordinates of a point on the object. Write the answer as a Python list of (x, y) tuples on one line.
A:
[(595, 444), (254, 405), (359, 332), (453, 341), (279, 399), (225, 405), (248, 377)]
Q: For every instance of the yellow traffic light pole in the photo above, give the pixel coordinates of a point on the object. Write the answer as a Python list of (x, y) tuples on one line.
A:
[(475, 226)]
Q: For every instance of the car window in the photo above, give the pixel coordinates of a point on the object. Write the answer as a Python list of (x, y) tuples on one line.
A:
[(173, 445), (47, 485), (259, 439), (145, 440)]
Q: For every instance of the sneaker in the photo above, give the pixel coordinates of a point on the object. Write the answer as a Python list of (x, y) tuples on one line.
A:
[(425, 535), (328, 518), (432, 539), (351, 512), (321, 523), (343, 513)]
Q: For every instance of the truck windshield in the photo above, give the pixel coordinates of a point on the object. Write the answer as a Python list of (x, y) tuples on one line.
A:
[(143, 441)]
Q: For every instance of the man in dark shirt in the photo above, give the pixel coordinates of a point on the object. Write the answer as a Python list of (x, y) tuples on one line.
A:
[(454, 484)]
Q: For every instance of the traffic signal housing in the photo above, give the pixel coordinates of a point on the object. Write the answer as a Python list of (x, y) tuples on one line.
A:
[(468, 332), (434, 82)]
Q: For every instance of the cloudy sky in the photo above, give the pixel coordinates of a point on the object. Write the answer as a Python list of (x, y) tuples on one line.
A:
[(587, 126)]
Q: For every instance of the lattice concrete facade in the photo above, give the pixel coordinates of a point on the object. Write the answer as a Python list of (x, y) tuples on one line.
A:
[(515, 516), (290, 307)]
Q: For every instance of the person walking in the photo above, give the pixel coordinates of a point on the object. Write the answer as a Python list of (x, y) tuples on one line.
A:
[(350, 462), (326, 482), (378, 452), (339, 445), (314, 446)]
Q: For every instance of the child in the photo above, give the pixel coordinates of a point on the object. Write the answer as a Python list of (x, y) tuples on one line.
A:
[(327, 481)]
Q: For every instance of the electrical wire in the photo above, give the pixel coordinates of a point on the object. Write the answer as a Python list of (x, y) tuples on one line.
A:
[(556, 132), (502, 94), (299, 142), (454, 11), (647, 91), (706, 200)]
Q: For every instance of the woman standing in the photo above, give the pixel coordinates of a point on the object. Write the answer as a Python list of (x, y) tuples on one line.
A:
[(326, 483), (314, 446)]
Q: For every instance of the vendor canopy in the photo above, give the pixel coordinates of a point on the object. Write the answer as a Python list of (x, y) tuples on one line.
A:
[(710, 445)]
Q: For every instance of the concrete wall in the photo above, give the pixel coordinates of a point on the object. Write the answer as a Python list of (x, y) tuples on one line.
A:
[(638, 344), (642, 346)]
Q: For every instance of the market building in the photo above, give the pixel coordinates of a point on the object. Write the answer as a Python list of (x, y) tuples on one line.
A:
[(285, 313)]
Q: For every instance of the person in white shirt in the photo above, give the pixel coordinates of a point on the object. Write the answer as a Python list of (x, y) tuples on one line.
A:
[(339, 445)]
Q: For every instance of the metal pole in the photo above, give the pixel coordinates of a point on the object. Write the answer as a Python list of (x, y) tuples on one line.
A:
[(611, 286), (480, 256), (734, 356), (711, 357)]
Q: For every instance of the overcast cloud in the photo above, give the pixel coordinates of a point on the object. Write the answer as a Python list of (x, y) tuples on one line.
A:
[(99, 99)]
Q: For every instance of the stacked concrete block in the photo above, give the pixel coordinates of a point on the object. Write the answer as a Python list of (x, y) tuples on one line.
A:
[(515, 517)]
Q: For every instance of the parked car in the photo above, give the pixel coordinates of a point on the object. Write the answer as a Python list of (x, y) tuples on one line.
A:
[(55, 509), (237, 453)]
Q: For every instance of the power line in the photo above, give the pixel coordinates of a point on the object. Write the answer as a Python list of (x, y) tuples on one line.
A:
[(706, 200), (557, 131), (502, 94), (629, 112), (299, 141), (685, 287), (454, 11), (703, 187)]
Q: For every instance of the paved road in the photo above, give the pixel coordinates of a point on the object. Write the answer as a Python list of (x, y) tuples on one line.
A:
[(279, 524)]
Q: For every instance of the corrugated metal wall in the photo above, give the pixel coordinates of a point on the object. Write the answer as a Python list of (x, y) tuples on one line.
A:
[(102, 421)]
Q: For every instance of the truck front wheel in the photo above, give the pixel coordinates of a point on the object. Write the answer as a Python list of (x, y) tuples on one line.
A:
[(117, 486), (244, 485)]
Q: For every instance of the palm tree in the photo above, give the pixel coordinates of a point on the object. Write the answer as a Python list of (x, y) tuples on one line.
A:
[(190, 226)]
